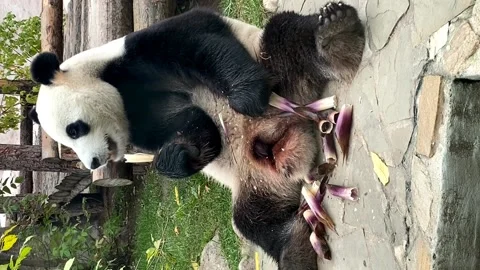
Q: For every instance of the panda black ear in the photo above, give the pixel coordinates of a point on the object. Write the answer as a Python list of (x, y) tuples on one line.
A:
[(43, 67), (32, 114)]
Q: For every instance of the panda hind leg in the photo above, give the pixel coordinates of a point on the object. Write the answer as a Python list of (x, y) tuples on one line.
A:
[(340, 39), (298, 253)]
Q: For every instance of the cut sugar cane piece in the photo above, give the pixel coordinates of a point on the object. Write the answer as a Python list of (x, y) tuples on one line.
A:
[(323, 104), (329, 149), (317, 209), (325, 126), (343, 128), (333, 117), (346, 193), (281, 103)]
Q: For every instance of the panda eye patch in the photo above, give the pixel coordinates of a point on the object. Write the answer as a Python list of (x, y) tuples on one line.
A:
[(77, 129)]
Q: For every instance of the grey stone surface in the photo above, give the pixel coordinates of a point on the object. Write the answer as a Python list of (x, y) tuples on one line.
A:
[(407, 224), (382, 18), (270, 5), (212, 258), (444, 10), (463, 44)]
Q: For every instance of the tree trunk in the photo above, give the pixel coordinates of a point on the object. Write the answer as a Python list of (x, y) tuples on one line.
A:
[(109, 20), (116, 174), (20, 85), (51, 41), (26, 138), (148, 12), (28, 157)]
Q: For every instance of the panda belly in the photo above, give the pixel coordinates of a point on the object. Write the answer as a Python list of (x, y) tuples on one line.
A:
[(268, 151)]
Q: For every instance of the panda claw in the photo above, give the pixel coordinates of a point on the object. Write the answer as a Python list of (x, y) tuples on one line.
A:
[(332, 12)]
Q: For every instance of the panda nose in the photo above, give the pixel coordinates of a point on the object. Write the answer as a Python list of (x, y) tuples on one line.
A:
[(95, 163)]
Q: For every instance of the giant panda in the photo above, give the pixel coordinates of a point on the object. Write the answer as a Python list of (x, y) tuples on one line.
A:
[(194, 89)]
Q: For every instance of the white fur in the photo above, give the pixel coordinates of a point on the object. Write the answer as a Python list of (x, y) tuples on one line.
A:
[(78, 94), (93, 59), (224, 175)]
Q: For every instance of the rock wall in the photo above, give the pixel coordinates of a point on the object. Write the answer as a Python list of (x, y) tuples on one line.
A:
[(415, 101)]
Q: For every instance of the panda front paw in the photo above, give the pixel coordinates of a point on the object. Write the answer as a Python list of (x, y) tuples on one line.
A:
[(177, 160), (250, 103)]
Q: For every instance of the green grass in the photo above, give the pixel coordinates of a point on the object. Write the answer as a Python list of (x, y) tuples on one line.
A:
[(185, 228), (249, 11)]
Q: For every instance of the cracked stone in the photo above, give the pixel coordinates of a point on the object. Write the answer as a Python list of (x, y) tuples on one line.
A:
[(395, 90), (369, 212), (270, 5), (463, 44), (445, 10), (427, 114), (382, 17), (437, 41), (212, 258), (422, 196), (399, 135), (400, 254), (397, 70), (471, 67), (420, 254), (475, 19), (382, 251), (348, 252)]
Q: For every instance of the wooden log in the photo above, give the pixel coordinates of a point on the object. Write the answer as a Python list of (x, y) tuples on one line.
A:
[(51, 41), (148, 12), (109, 20), (29, 158), (19, 85), (26, 138), (115, 174), (68, 154)]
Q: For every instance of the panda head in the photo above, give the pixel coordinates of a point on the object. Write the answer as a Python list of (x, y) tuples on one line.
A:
[(76, 108)]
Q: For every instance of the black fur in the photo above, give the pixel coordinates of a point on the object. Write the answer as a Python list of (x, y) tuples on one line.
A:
[(32, 114), (77, 129), (298, 48), (163, 64), (43, 67)]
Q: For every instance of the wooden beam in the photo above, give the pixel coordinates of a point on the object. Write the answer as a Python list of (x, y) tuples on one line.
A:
[(20, 85), (28, 158), (69, 155), (51, 41)]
